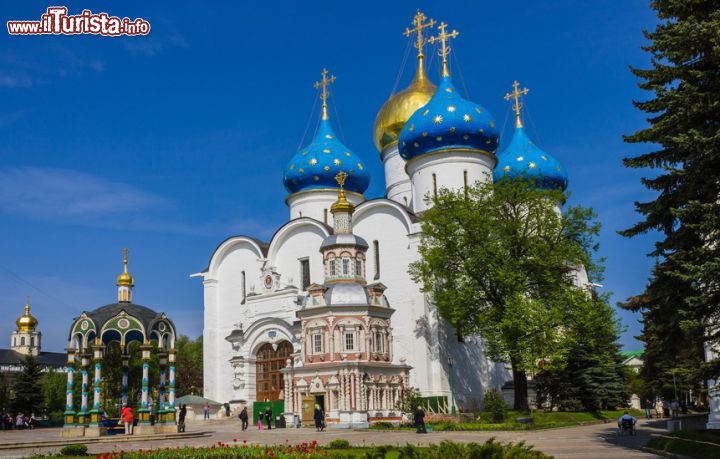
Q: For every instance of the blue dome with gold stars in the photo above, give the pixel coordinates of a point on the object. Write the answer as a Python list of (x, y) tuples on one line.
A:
[(315, 166), (448, 123), (522, 158)]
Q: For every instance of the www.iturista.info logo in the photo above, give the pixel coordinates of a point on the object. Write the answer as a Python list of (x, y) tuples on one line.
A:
[(57, 22)]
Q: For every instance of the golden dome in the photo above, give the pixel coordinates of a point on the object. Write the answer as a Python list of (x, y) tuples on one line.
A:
[(400, 106), (125, 279), (26, 322)]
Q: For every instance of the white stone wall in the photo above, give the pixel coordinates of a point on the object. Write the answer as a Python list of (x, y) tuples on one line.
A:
[(397, 181), (449, 173), (316, 204)]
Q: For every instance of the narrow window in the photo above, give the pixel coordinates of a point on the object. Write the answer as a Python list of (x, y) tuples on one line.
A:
[(22, 341), (465, 182), (378, 342), (358, 268), (376, 250), (349, 341), (317, 344), (243, 291), (32, 341), (305, 273), (333, 267), (325, 216), (345, 266), (405, 199)]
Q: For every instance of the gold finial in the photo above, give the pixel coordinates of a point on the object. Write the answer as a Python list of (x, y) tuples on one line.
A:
[(443, 37), (125, 278), (323, 85), (420, 24), (342, 204), (26, 322), (516, 95)]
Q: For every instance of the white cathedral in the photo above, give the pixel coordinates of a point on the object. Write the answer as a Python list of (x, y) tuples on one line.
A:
[(263, 340)]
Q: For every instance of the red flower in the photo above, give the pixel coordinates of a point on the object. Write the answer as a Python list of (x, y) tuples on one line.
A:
[(234, 440)]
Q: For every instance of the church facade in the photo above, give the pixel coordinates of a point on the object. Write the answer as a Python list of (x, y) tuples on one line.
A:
[(271, 329)]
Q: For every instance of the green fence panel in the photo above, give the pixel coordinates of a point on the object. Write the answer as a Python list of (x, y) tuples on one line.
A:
[(277, 407)]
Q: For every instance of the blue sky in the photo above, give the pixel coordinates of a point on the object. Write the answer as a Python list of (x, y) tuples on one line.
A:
[(169, 143)]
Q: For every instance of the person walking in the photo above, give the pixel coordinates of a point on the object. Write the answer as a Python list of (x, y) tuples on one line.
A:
[(181, 418), (659, 409), (268, 417), (244, 418), (319, 418), (206, 411), (675, 409), (128, 419), (420, 420), (648, 408)]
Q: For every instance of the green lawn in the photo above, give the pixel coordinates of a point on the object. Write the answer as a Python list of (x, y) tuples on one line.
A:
[(691, 443)]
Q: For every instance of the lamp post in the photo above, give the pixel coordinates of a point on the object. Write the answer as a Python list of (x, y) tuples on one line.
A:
[(451, 361)]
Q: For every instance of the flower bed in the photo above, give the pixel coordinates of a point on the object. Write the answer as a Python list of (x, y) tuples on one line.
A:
[(235, 450)]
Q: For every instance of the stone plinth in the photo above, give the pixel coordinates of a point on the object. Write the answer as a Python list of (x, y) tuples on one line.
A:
[(73, 431)]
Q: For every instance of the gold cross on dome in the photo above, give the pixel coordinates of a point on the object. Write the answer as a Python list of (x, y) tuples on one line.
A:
[(340, 179), (420, 24), (125, 253), (324, 94), (516, 95), (443, 37)]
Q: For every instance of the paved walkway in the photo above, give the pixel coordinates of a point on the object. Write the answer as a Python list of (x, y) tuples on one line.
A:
[(594, 441)]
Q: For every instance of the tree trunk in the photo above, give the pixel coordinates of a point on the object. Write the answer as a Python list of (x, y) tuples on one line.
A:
[(520, 387)]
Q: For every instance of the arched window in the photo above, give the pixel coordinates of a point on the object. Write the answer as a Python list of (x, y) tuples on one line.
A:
[(358, 267), (346, 266), (376, 253), (325, 216), (305, 273), (332, 265), (32, 341), (243, 291), (22, 341)]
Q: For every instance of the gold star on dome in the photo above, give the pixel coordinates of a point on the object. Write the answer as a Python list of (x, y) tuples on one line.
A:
[(467, 118), (438, 138), (438, 119), (425, 112), (337, 162), (477, 109), (451, 108), (411, 128), (328, 136), (360, 166), (327, 150), (316, 178), (292, 166), (519, 158), (327, 168), (506, 168), (347, 154), (544, 157), (465, 137), (301, 170), (492, 123), (415, 144), (424, 134), (452, 130), (448, 89), (313, 162), (531, 165)]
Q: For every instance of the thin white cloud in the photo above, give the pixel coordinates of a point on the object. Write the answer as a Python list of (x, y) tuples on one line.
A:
[(65, 194)]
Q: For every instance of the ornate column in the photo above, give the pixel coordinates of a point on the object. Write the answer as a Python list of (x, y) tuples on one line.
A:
[(170, 407), (162, 363), (144, 411), (96, 411), (85, 365), (125, 366), (70, 415)]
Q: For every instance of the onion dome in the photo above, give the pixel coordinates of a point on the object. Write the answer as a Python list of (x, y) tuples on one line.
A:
[(522, 158), (448, 122), (400, 106), (315, 166), (26, 322), (125, 279)]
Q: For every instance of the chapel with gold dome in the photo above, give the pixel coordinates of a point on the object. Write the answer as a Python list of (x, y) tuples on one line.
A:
[(262, 340)]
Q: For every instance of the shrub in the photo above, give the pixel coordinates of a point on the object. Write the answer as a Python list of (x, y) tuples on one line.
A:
[(339, 444), (74, 450), (495, 406), (410, 400), (382, 425)]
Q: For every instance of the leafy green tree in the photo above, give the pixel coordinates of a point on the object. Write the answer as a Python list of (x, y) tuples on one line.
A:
[(189, 362), (54, 387), (410, 401), (681, 298), (497, 260), (27, 390)]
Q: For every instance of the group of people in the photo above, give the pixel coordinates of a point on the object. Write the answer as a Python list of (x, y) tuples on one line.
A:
[(20, 421), (664, 408)]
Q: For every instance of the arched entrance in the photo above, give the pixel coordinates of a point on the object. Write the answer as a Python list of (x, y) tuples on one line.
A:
[(269, 381)]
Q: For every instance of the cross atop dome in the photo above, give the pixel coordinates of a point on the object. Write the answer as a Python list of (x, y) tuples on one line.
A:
[(444, 37), (517, 106), (324, 93), (420, 24)]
